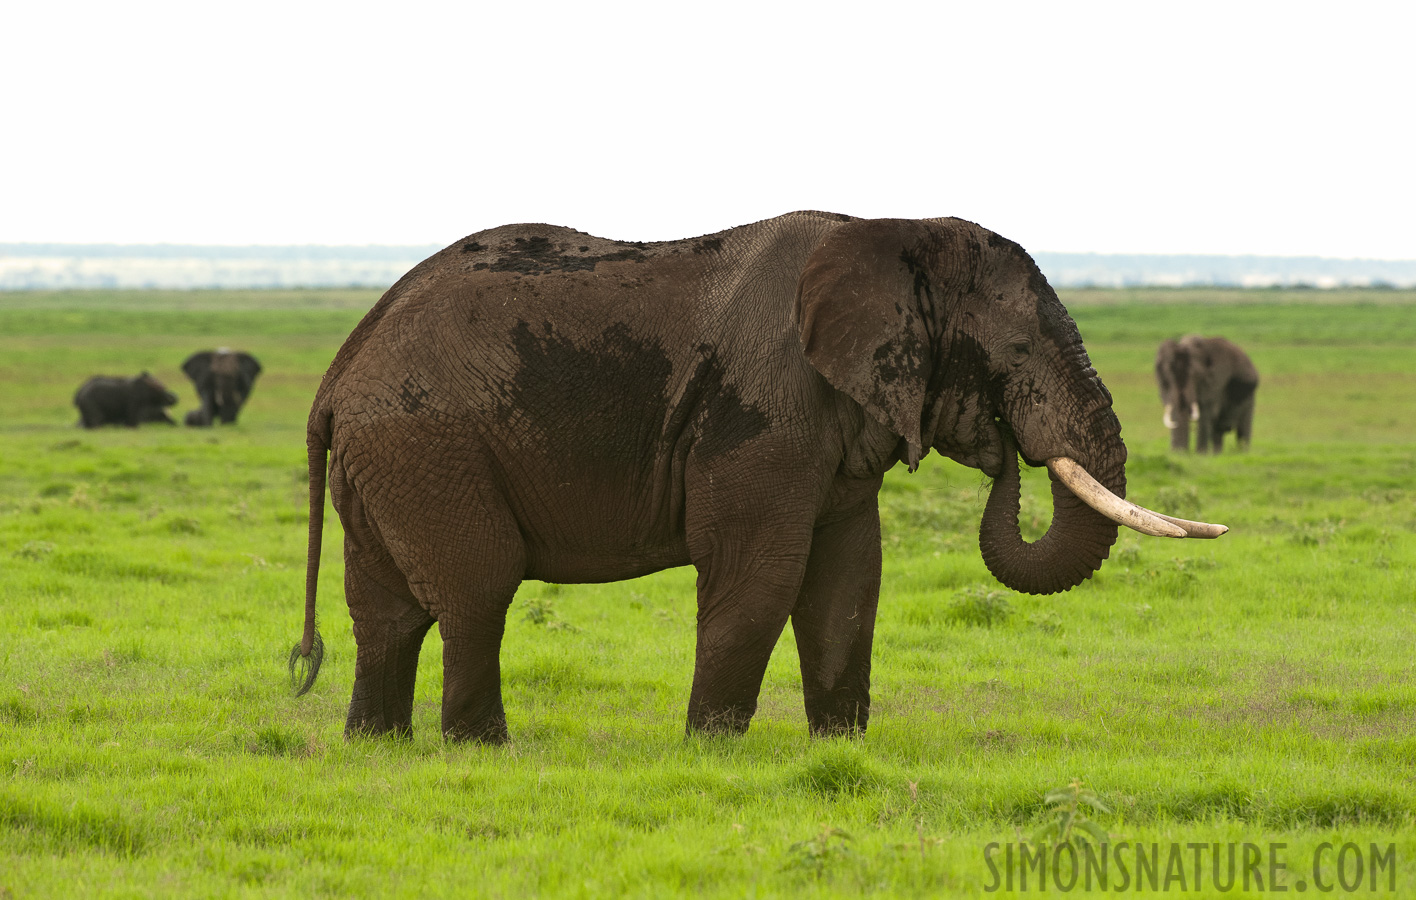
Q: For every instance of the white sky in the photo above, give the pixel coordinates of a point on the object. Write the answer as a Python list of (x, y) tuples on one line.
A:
[(1283, 128)]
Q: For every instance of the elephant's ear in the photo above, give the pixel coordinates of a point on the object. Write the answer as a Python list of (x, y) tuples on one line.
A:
[(198, 365), (248, 365), (861, 322)]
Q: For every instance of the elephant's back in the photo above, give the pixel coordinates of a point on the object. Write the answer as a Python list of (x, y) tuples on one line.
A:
[(543, 308)]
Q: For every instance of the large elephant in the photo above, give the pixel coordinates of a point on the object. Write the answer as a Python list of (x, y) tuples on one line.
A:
[(1208, 381), (110, 400), (223, 379), (534, 402)]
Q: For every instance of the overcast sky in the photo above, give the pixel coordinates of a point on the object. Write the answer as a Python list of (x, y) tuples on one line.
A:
[(1237, 128)]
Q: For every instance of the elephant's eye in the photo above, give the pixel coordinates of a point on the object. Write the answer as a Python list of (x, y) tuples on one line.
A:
[(1018, 351)]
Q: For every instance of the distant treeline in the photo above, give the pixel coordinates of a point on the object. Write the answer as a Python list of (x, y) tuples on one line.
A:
[(199, 252), (1138, 270), (43, 266)]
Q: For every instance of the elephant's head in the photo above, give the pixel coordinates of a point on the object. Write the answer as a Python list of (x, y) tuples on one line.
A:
[(1175, 375), (150, 396), (223, 379), (950, 336), (151, 392)]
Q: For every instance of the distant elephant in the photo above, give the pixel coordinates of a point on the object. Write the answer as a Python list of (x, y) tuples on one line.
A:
[(109, 400), (1211, 382), (199, 417), (224, 379), (533, 402)]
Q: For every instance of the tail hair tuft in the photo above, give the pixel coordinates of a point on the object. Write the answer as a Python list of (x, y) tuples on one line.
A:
[(309, 666)]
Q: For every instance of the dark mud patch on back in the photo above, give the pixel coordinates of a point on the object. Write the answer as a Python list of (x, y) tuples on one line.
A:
[(538, 255)]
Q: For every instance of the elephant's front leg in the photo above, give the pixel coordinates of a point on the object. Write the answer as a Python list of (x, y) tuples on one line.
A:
[(834, 622), (747, 586), (1204, 439)]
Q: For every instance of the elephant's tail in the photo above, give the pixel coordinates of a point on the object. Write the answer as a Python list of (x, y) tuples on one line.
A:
[(310, 651)]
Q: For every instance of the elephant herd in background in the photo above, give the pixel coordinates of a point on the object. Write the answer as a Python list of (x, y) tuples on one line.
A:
[(1206, 380), (223, 379)]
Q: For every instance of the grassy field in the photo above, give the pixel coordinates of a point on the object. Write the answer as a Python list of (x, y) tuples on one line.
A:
[(1257, 689)]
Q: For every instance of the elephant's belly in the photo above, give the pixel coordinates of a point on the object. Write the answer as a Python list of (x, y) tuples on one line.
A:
[(579, 565), (582, 530)]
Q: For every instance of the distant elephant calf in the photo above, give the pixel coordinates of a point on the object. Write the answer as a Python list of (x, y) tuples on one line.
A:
[(107, 400), (1211, 382), (223, 379)]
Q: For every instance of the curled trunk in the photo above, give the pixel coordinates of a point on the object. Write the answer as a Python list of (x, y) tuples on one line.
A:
[(1075, 544)]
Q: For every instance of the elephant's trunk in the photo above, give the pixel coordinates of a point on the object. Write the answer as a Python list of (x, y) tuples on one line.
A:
[(1087, 506), (227, 403), (1076, 542)]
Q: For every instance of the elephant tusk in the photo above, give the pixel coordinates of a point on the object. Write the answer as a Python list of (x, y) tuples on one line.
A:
[(1193, 529), (1168, 420), (1123, 512), (1194, 412)]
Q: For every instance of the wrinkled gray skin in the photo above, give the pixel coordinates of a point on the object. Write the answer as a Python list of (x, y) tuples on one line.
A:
[(1208, 381), (109, 400), (223, 379), (533, 402)]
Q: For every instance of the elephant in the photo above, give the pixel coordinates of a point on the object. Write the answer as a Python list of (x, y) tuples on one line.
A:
[(1214, 381), (223, 379), (114, 400), (533, 402)]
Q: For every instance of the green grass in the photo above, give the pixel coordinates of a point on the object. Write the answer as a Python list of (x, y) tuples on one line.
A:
[(1257, 688)]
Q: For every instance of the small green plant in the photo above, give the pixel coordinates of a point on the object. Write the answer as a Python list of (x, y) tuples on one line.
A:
[(1047, 622), (1317, 534), (1182, 500), (1067, 820), (35, 550), (542, 611), (17, 712), (814, 854), (184, 525), (839, 768), (1128, 553), (272, 740), (979, 606), (80, 498)]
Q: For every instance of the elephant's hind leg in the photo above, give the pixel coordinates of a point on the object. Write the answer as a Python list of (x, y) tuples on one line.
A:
[(470, 564), (389, 627), (1244, 430)]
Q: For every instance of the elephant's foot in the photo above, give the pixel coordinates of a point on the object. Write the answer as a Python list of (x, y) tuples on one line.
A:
[(844, 712), (491, 731), (358, 727), (726, 721), (472, 703)]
